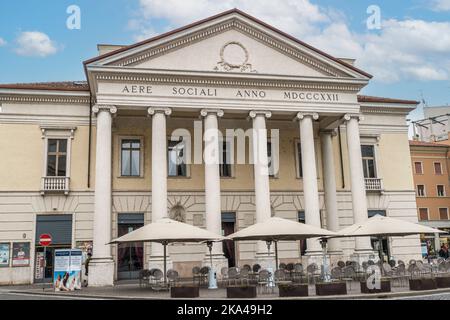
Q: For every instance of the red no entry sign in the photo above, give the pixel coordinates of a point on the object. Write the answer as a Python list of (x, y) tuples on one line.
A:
[(45, 240)]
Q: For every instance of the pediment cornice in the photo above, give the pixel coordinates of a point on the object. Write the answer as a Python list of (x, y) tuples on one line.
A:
[(293, 50)]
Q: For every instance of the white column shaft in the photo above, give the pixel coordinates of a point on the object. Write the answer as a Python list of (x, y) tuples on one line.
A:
[(357, 181), (102, 197), (159, 173), (212, 178), (310, 189), (330, 189), (261, 173)]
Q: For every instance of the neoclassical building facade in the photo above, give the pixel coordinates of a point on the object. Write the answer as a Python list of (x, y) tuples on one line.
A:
[(92, 160)]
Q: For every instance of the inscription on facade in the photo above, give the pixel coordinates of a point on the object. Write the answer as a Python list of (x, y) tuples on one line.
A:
[(232, 93)]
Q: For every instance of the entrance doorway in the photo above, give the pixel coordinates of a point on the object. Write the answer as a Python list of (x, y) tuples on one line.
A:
[(59, 227), (228, 227), (130, 256)]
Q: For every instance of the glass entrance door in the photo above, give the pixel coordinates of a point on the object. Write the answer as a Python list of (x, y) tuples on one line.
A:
[(129, 255)]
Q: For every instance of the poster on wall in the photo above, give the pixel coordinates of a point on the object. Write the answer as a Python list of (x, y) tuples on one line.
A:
[(4, 254), (21, 254), (39, 266), (67, 270)]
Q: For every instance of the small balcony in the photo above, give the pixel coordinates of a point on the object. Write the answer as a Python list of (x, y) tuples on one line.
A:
[(55, 185), (373, 184)]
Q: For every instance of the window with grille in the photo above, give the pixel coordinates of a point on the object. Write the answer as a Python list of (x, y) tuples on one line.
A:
[(130, 157), (177, 158), (57, 158), (418, 167), (420, 190), (298, 148), (438, 168), (440, 190), (368, 159), (225, 159), (423, 213), (443, 213)]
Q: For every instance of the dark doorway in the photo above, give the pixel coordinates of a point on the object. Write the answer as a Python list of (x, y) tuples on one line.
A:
[(228, 227), (130, 256), (59, 227)]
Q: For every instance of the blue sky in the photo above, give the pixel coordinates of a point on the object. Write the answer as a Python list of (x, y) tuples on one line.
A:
[(414, 30)]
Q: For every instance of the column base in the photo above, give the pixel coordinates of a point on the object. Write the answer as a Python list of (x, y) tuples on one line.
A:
[(361, 256), (218, 262), (157, 262), (101, 272), (265, 260)]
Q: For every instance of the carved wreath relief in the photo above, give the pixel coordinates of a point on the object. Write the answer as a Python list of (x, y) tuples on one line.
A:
[(234, 57)]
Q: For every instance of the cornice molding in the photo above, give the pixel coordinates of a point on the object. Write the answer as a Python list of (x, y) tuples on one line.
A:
[(276, 84), (44, 99), (238, 25)]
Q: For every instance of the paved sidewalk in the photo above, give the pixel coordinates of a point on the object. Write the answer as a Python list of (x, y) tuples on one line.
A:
[(133, 291)]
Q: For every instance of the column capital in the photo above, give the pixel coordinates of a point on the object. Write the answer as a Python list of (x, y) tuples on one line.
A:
[(153, 110), (102, 107), (218, 112), (254, 113), (332, 132), (303, 115), (357, 116)]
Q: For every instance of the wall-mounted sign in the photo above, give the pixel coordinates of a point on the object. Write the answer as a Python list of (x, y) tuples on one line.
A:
[(21, 254), (4, 254)]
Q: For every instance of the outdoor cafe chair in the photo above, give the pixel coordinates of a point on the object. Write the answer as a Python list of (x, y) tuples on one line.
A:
[(341, 264), (264, 281), (282, 266), (173, 277), (246, 267), (144, 277), (336, 274), (204, 272), (256, 267), (392, 263), (312, 273), (244, 275), (349, 275), (297, 273), (281, 277), (233, 275)]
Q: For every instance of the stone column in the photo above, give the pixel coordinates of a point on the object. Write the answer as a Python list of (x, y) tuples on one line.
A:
[(310, 189), (363, 247), (330, 189), (101, 267), (261, 177), (159, 179), (213, 207)]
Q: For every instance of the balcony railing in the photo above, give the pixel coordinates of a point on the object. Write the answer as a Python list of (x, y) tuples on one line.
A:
[(55, 184), (373, 184)]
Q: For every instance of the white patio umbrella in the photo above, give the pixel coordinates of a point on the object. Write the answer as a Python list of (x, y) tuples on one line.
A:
[(275, 229), (167, 231), (380, 226)]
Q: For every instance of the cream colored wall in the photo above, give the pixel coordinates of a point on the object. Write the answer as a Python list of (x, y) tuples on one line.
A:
[(395, 162), (21, 149), (22, 156)]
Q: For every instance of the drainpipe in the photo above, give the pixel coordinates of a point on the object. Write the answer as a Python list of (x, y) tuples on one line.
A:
[(89, 141)]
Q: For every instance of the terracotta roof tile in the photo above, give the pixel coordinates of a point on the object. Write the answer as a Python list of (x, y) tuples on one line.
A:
[(363, 98), (58, 86)]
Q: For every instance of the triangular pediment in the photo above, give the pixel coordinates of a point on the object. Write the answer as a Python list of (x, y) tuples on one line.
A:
[(231, 42)]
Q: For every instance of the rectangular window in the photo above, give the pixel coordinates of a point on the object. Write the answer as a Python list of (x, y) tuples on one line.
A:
[(368, 159), (57, 157), (440, 190), (176, 158), (420, 190), (437, 168), (418, 167), (298, 148), (130, 157), (423, 213), (443, 213), (302, 219), (270, 160), (225, 160)]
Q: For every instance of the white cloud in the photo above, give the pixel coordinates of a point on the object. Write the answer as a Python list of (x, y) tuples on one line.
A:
[(35, 43), (402, 50), (440, 5), (2, 42)]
